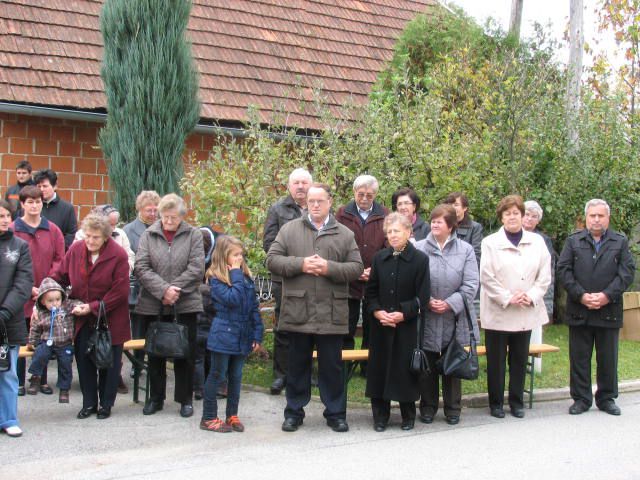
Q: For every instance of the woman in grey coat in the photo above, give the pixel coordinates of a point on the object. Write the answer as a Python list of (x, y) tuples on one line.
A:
[(454, 275), (170, 267)]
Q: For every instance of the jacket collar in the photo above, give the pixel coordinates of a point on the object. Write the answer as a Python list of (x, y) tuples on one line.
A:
[(21, 226), (407, 254), (376, 210), (156, 228), (290, 202), (504, 243), (331, 224), (432, 243)]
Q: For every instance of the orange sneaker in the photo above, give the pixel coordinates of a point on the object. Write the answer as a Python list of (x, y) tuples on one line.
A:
[(235, 423), (215, 425)]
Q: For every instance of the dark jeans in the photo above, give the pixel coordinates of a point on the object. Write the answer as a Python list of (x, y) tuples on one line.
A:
[(223, 365), (497, 342), (381, 410), (429, 386), (99, 387), (280, 339), (42, 356), (330, 374), (22, 364), (581, 343), (182, 368)]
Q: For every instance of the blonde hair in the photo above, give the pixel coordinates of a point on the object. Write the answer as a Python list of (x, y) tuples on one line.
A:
[(218, 268), (172, 201), (147, 197)]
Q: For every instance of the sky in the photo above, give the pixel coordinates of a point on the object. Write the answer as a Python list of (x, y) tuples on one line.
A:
[(554, 12)]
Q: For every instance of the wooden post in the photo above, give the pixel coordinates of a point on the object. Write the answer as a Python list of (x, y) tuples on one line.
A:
[(576, 48), (516, 18)]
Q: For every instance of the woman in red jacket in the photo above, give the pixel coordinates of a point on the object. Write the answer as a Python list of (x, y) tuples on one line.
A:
[(97, 269), (46, 246)]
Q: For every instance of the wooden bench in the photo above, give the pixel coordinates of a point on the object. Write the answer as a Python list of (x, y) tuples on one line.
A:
[(351, 358), (138, 365)]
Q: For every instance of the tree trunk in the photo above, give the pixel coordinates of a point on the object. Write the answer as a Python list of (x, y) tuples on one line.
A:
[(576, 48), (516, 18)]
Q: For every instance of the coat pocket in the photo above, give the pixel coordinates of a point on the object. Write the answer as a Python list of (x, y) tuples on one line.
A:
[(294, 307), (224, 336), (340, 308)]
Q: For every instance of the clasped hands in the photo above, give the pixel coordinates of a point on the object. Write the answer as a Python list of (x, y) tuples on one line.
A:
[(438, 306), (171, 295), (315, 265), (388, 319), (594, 301), (521, 298)]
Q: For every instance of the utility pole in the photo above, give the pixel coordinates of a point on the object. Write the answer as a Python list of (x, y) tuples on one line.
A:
[(576, 48), (516, 18)]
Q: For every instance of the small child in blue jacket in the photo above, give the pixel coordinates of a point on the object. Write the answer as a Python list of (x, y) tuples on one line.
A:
[(235, 332)]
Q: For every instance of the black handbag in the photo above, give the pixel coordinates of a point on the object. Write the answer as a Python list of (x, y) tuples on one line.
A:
[(99, 347), (5, 350), (167, 339), (456, 361), (419, 364)]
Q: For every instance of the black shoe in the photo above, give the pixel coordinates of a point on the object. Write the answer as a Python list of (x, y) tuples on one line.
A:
[(426, 418), (379, 426), (453, 419), (338, 424), (408, 424), (517, 412), (611, 408), (578, 407), (152, 407), (291, 424), (21, 391), (497, 412), (104, 412), (86, 412), (278, 385), (46, 389), (186, 410), (197, 394)]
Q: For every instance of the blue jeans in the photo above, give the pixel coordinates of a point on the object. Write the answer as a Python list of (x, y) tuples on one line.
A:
[(65, 358), (223, 365), (9, 393)]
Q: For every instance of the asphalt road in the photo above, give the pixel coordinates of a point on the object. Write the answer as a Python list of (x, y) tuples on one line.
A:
[(548, 443)]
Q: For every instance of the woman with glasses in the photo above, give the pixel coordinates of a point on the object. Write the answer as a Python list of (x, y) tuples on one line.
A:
[(407, 202)]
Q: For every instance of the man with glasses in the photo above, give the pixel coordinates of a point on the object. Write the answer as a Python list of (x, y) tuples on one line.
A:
[(364, 217)]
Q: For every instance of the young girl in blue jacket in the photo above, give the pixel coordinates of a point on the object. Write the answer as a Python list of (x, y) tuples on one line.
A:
[(235, 332)]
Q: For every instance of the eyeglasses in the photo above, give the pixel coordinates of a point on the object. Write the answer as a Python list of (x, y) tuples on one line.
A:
[(316, 202), (404, 204)]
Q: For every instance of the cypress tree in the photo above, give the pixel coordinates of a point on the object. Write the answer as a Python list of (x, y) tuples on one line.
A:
[(151, 87)]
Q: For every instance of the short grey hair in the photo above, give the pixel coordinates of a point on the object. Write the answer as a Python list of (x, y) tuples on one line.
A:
[(594, 202), (365, 181), (99, 222), (171, 201), (300, 172), (534, 206), (398, 218)]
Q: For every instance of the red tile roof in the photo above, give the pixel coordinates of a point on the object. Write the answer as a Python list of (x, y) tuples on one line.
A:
[(248, 52)]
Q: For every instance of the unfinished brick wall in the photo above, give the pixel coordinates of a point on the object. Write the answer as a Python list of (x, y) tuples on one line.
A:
[(71, 149)]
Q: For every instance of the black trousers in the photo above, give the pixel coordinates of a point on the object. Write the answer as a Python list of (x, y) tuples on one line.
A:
[(99, 387), (280, 339), (182, 368), (381, 410), (497, 342), (429, 386), (581, 343), (330, 374)]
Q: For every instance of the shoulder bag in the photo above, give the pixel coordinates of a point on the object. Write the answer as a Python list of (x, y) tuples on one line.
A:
[(99, 346), (419, 364), (5, 350), (167, 339), (456, 361)]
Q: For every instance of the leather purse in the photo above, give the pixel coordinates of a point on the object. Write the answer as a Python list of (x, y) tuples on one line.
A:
[(5, 350), (457, 361), (167, 339), (419, 364), (99, 347)]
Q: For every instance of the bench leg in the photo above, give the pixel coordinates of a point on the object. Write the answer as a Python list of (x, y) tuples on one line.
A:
[(138, 367)]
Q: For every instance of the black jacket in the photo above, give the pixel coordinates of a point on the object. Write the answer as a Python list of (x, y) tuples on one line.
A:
[(581, 270), (64, 216), (421, 228), (471, 232), (16, 280), (13, 196), (281, 212), (394, 284)]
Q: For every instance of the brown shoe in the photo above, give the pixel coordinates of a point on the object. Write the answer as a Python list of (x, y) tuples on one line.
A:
[(63, 396), (215, 425), (34, 385), (235, 423)]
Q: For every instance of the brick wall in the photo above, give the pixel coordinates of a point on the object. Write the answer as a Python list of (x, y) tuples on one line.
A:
[(71, 149)]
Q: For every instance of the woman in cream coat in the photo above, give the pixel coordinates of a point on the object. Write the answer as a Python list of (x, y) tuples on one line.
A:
[(514, 276)]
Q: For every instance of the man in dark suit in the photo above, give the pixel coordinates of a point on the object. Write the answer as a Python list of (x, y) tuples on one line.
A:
[(595, 267), (55, 209)]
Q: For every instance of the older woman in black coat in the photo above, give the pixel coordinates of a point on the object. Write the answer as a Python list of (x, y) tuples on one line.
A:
[(397, 287)]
